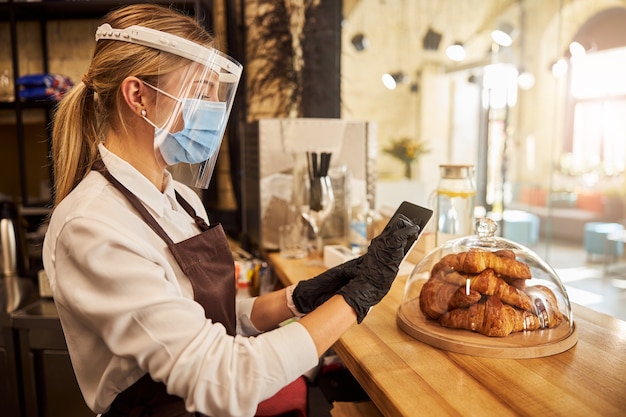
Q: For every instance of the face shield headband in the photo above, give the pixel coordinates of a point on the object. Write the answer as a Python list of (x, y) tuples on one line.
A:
[(228, 69), (189, 147)]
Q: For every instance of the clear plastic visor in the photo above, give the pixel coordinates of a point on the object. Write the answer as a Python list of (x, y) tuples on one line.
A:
[(192, 106), (193, 95)]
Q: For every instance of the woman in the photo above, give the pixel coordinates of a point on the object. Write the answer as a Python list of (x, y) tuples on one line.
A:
[(144, 287)]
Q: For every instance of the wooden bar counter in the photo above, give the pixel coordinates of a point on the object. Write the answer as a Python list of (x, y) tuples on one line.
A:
[(405, 377)]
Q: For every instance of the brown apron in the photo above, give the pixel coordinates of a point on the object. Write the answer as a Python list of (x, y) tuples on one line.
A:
[(206, 259)]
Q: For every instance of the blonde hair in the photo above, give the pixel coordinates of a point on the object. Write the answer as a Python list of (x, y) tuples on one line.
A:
[(93, 105)]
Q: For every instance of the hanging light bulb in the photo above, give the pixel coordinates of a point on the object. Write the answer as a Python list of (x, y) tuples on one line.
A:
[(503, 34), (456, 52)]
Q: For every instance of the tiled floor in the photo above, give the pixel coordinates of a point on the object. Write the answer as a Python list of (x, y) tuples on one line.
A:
[(589, 282)]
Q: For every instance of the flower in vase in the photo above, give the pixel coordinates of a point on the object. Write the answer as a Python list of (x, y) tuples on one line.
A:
[(408, 151)]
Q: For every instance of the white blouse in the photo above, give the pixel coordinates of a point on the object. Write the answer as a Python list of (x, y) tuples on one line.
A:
[(126, 308)]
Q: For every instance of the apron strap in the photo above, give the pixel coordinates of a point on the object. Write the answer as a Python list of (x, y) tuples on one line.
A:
[(98, 165), (187, 207)]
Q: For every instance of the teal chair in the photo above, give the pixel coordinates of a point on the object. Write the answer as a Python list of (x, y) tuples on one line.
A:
[(520, 227), (595, 241)]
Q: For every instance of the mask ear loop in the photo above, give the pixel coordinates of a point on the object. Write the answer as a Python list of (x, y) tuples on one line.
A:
[(143, 111)]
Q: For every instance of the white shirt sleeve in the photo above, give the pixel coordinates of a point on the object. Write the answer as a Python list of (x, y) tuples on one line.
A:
[(244, 312)]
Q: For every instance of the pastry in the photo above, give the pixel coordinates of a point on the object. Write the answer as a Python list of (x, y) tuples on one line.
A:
[(491, 318), (476, 260), (486, 292), (439, 296), (487, 283), (545, 305)]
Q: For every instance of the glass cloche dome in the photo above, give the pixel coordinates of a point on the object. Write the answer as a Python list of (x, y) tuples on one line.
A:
[(487, 296)]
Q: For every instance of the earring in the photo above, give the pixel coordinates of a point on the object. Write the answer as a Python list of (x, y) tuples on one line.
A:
[(143, 112)]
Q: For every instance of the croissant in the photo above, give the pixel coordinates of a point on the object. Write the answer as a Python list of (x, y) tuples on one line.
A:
[(438, 296), (491, 318), (505, 253), (488, 283), (546, 306), (476, 260)]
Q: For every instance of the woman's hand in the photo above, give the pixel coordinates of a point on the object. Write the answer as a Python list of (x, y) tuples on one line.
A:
[(379, 265), (311, 293), (377, 269)]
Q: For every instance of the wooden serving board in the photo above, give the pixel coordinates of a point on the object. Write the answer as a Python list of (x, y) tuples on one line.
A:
[(518, 345)]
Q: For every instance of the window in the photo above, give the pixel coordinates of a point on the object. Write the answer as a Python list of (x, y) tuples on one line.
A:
[(598, 87)]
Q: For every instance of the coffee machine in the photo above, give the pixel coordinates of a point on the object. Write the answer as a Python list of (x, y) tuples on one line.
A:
[(17, 289)]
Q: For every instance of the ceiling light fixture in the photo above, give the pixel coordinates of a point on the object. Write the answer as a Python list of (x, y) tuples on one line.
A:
[(431, 40), (525, 80), (456, 52), (503, 34), (577, 49), (559, 68), (391, 80), (360, 42)]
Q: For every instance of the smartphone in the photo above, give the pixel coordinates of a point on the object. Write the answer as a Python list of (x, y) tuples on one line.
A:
[(418, 215)]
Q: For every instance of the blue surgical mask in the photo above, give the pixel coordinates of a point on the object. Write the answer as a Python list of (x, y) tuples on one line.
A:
[(201, 135)]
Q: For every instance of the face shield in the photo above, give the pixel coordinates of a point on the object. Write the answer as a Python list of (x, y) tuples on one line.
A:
[(193, 99)]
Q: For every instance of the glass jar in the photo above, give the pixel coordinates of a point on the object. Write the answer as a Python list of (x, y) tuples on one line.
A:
[(455, 201)]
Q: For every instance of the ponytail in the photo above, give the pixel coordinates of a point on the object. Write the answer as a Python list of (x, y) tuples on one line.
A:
[(74, 139)]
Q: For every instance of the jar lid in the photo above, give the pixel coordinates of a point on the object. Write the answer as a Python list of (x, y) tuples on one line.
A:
[(455, 171)]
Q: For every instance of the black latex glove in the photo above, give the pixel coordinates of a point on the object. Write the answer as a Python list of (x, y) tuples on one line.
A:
[(377, 269), (311, 293)]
